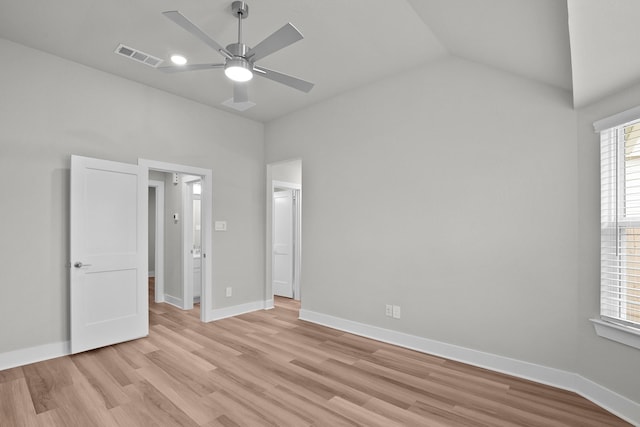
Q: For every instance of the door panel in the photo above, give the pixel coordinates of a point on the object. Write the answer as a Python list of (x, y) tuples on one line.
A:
[(108, 253), (282, 284)]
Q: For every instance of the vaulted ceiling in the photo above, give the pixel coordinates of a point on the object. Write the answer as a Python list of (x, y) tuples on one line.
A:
[(582, 46)]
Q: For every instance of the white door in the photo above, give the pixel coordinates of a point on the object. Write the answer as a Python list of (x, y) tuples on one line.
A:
[(108, 253), (282, 283)]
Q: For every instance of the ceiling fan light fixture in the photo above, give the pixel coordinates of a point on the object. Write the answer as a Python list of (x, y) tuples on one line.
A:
[(238, 70), (178, 59)]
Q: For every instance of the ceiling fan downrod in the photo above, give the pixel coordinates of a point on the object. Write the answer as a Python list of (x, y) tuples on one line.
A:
[(241, 10)]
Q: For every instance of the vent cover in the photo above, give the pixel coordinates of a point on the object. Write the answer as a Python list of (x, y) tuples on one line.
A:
[(138, 56)]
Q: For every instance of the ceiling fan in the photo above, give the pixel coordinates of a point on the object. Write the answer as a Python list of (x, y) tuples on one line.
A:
[(240, 59)]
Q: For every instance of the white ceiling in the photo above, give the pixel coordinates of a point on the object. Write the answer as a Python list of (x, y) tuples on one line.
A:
[(347, 44)]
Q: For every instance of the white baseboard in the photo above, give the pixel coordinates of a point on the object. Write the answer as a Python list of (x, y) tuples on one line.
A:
[(236, 310), (269, 304), (25, 356), (607, 399), (178, 302), (152, 273)]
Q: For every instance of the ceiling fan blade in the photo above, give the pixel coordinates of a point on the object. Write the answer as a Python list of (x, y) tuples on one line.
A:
[(240, 92), (190, 67), (282, 38), (285, 79), (189, 26)]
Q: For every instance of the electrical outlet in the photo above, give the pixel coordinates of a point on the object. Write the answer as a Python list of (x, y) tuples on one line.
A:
[(388, 310), (396, 311), (229, 291)]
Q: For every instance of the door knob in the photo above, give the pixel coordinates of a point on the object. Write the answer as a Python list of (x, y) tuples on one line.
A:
[(80, 265)]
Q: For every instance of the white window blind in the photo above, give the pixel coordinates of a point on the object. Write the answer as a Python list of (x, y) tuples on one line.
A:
[(620, 223)]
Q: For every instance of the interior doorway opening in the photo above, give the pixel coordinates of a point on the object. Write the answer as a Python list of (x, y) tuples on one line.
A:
[(185, 248), (192, 235), (284, 230)]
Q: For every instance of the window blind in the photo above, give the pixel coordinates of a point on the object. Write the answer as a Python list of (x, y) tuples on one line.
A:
[(620, 223)]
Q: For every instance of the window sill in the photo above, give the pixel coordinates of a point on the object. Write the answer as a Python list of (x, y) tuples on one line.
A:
[(622, 334)]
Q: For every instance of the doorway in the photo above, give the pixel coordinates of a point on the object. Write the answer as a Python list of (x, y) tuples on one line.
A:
[(192, 237), (156, 237), (284, 230), (180, 239), (285, 236)]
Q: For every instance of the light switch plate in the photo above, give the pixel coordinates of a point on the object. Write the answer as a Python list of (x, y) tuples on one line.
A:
[(396, 311), (220, 226)]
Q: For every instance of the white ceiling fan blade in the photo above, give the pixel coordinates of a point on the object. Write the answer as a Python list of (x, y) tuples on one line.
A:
[(240, 92), (282, 38), (285, 79), (189, 26), (190, 67)]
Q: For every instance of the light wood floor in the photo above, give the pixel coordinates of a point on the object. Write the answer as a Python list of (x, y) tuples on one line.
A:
[(268, 368)]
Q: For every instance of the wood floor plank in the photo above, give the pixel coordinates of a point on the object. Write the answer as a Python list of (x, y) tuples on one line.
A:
[(11, 374), (179, 394), (110, 391), (269, 368), (43, 379), (16, 406), (360, 414)]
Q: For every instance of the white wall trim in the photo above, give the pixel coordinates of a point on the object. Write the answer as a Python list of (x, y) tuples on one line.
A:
[(622, 334), (236, 310), (617, 119), (175, 301), (25, 356), (611, 401), (269, 304)]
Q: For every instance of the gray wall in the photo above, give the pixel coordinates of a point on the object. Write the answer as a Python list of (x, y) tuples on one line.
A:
[(451, 191), (470, 198), (51, 108)]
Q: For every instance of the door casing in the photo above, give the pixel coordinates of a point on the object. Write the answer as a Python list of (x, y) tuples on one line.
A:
[(206, 177)]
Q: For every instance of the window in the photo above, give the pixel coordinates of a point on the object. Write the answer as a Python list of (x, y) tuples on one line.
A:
[(620, 223)]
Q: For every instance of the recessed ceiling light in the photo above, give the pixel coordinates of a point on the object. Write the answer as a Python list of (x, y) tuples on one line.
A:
[(178, 59)]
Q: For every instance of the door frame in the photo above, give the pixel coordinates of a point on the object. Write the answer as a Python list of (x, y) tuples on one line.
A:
[(159, 243), (206, 177), (297, 232)]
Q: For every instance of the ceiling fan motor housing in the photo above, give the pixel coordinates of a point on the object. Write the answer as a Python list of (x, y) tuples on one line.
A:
[(238, 49)]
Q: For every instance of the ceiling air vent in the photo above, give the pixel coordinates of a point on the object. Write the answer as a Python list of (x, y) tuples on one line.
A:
[(138, 56)]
